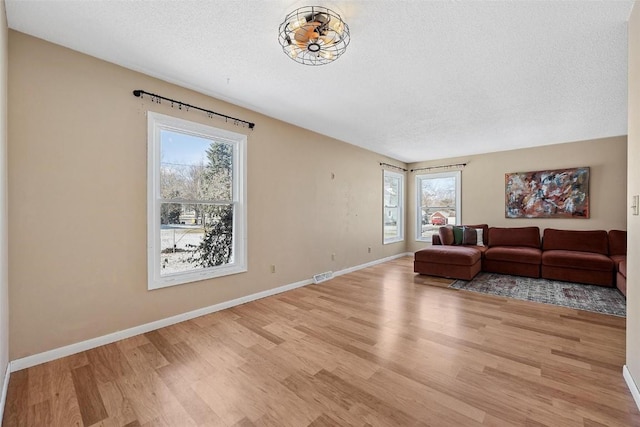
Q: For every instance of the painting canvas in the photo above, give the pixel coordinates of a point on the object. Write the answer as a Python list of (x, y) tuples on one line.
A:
[(562, 193)]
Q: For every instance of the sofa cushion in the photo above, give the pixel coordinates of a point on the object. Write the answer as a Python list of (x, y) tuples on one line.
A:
[(577, 260), (446, 236), (458, 235), (514, 254), (485, 232), (469, 236), (514, 236), (455, 255), (596, 241), (617, 242)]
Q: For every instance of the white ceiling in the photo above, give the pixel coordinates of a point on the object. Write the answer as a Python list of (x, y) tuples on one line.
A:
[(419, 81)]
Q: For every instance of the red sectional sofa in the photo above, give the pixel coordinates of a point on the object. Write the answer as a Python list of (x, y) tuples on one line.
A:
[(593, 257)]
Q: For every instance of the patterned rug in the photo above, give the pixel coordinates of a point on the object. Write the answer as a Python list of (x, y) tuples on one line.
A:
[(573, 295)]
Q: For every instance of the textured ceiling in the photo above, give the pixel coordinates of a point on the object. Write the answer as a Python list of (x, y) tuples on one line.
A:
[(419, 81)]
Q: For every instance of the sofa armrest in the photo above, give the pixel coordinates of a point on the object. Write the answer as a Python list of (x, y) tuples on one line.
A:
[(617, 242)]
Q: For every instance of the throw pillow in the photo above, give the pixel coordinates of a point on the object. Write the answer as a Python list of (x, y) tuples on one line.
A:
[(446, 235), (469, 236), (458, 235), (480, 237)]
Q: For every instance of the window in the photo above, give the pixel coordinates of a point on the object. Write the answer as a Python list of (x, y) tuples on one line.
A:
[(196, 202), (438, 202), (393, 207)]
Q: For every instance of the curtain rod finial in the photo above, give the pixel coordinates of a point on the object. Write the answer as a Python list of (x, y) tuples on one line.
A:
[(137, 92)]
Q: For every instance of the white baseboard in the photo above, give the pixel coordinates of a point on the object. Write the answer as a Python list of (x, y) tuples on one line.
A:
[(633, 388), (5, 386), (370, 264), (57, 353)]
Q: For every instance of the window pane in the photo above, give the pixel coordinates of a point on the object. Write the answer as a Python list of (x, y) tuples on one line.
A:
[(393, 207), (391, 192), (391, 223), (437, 204), (195, 236), (195, 168)]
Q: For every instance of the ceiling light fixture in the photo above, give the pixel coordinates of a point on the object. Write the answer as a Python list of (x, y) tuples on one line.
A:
[(314, 35)]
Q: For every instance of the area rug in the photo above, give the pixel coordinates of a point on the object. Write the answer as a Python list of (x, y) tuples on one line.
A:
[(573, 295)]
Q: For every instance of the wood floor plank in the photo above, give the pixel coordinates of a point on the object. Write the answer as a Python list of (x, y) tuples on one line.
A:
[(193, 405), (440, 408), (590, 361), (245, 422), (324, 420), (144, 358), (40, 414), (152, 401), (17, 403), (65, 408), (108, 363), (118, 407), (378, 347), (89, 400), (315, 393)]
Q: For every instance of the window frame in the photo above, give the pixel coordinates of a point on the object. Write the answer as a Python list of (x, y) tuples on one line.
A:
[(156, 123), (399, 237), (455, 174)]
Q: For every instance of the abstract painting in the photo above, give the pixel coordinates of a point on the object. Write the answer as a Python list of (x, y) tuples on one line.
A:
[(562, 193)]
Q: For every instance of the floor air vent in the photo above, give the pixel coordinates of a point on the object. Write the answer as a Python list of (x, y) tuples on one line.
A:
[(322, 277)]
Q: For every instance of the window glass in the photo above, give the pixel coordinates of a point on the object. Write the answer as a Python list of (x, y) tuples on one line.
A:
[(196, 202), (393, 207), (438, 202)]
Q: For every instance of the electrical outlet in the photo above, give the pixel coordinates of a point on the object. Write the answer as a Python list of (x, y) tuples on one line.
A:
[(635, 205), (273, 268)]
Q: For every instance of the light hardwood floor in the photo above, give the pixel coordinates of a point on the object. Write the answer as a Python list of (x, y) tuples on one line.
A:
[(380, 346)]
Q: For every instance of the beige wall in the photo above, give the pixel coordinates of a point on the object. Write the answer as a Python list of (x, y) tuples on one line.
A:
[(633, 222), (77, 186), (4, 265), (483, 184)]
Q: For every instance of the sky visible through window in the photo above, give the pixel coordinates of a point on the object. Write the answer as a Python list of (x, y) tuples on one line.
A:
[(183, 149)]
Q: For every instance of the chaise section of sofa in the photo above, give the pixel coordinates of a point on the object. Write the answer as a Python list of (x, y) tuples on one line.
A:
[(514, 250), (457, 262), (577, 256), (449, 260)]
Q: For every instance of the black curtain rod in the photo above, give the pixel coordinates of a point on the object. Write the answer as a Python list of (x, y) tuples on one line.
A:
[(157, 98), (392, 166), (440, 167)]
